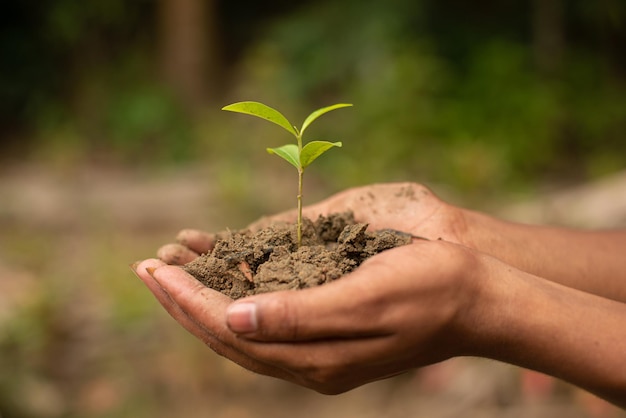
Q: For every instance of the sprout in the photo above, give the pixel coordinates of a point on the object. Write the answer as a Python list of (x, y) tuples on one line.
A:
[(298, 155)]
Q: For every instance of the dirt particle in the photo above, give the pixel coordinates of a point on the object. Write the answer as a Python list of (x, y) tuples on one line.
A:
[(243, 263)]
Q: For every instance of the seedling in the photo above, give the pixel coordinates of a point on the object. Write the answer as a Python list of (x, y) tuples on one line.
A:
[(298, 155)]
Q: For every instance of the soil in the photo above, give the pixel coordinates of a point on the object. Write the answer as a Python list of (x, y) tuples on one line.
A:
[(244, 263)]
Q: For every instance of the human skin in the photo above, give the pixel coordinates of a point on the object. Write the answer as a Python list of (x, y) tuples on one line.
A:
[(591, 261), (424, 302)]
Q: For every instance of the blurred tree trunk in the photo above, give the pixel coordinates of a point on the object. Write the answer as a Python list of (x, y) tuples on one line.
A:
[(548, 36), (188, 49)]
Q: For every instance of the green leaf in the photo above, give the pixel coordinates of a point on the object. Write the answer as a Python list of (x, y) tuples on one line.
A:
[(314, 149), (289, 153), (264, 112), (320, 112)]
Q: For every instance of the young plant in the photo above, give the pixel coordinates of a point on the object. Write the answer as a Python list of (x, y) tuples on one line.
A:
[(299, 155)]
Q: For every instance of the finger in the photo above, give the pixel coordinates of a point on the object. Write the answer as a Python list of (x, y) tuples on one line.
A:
[(199, 241), (195, 325), (176, 254), (325, 366), (149, 270), (353, 306), (143, 272), (305, 315), (205, 306), (140, 270)]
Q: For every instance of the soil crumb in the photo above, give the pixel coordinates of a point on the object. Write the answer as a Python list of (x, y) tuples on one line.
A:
[(245, 263)]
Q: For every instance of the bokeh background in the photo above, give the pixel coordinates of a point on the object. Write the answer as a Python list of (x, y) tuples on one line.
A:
[(113, 140)]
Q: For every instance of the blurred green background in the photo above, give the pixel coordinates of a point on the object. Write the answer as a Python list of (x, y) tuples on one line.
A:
[(113, 139), (479, 96)]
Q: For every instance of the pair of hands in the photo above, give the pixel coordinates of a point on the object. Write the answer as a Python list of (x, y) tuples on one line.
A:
[(404, 308)]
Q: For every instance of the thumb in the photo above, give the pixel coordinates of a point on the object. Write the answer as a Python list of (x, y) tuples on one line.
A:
[(334, 310)]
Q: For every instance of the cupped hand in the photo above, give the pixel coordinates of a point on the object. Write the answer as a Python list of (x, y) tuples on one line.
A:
[(404, 308), (408, 207)]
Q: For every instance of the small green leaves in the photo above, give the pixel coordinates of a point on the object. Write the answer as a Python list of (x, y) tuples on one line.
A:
[(309, 153), (288, 153), (297, 155), (264, 112), (320, 112), (314, 149)]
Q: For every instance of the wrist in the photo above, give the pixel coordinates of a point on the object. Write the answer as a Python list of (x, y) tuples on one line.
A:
[(498, 321), (477, 301), (479, 232), (480, 315), (501, 239), (527, 321)]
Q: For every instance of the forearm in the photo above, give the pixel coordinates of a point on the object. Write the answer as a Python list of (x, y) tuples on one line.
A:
[(557, 330), (592, 261)]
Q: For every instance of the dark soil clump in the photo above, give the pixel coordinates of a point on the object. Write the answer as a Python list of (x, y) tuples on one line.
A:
[(245, 263)]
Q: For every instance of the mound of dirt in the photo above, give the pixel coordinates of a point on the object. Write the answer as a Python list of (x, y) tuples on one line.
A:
[(245, 263)]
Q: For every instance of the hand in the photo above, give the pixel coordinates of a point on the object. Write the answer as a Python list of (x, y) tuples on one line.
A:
[(424, 302), (413, 208), (404, 308), (407, 207)]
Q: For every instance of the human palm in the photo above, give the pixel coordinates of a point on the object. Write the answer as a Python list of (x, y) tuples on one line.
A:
[(404, 308)]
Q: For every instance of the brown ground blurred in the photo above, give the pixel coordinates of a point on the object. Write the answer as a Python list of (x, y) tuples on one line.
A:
[(81, 337)]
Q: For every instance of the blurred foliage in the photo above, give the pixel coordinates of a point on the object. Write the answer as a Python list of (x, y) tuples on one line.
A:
[(444, 91), (450, 92), (80, 80)]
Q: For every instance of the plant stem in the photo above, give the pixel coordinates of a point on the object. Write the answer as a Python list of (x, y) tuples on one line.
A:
[(299, 224), (300, 175)]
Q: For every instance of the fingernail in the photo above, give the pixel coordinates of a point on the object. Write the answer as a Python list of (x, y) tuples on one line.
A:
[(151, 271), (134, 265), (242, 317)]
